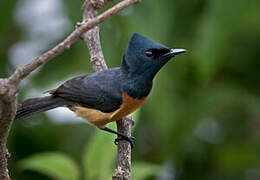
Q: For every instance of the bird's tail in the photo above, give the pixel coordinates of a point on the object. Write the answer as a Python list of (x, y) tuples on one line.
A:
[(37, 105)]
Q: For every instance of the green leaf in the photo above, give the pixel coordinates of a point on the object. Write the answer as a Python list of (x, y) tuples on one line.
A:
[(53, 164), (99, 155), (142, 170)]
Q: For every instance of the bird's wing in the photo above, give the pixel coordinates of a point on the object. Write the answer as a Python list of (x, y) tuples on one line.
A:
[(92, 91)]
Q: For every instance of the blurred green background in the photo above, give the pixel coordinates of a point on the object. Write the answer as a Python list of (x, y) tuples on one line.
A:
[(201, 121)]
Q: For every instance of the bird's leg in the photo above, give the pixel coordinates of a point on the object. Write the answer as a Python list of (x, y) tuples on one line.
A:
[(121, 136)]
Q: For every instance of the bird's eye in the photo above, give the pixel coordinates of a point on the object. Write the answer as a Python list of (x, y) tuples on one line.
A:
[(149, 53)]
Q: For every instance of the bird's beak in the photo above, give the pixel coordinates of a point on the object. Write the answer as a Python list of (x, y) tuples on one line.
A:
[(173, 52), (177, 51)]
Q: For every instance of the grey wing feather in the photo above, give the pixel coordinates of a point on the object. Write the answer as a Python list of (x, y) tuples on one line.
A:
[(98, 91)]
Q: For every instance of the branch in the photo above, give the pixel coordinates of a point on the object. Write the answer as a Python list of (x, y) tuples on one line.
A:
[(9, 86), (92, 40), (123, 170), (91, 37), (7, 112)]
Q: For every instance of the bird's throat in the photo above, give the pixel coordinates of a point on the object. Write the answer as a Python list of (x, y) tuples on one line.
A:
[(137, 87)]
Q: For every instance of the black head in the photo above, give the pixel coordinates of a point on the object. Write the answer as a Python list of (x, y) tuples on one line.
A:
[(146, 57)]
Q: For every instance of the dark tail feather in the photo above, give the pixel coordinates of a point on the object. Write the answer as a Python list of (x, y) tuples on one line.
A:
[(37, 105)]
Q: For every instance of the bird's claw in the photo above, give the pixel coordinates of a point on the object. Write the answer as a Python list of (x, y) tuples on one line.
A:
[(129, 139)]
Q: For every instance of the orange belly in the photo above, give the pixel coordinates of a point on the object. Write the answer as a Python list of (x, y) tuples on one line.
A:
[(99, 118)]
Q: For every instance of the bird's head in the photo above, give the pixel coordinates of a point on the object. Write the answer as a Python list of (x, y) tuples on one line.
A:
[(146, 57)]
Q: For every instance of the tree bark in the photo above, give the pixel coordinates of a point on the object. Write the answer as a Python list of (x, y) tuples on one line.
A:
[(8, 102), (91, 37), (123, 170)]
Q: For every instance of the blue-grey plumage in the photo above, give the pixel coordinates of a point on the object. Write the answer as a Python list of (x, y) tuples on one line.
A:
[(109, 95)]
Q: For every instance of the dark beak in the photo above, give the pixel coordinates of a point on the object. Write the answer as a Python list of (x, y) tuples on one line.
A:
[(174, 52)]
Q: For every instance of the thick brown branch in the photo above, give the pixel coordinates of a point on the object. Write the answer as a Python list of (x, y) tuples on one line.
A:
[(8, 99)]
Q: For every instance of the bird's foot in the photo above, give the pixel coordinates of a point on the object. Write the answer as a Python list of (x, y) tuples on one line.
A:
[(129, 139)]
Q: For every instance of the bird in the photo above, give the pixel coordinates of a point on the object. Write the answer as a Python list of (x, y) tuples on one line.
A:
[(109, 95)]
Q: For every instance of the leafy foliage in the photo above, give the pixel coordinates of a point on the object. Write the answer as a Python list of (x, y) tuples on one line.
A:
[(56, 165)]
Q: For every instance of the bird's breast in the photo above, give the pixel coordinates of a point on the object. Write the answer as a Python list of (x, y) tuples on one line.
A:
[(99, 118)]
